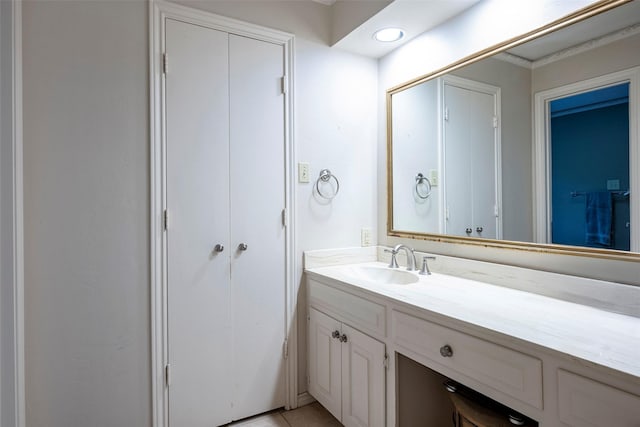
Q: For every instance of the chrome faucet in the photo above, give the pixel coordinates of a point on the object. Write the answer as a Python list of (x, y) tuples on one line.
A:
[(411, 260)]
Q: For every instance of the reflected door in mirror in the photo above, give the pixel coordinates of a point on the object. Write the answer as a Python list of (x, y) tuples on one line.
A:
[(471, 169), (590, 168)]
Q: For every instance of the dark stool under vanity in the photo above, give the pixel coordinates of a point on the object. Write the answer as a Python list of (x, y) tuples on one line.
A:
[(471, 409)]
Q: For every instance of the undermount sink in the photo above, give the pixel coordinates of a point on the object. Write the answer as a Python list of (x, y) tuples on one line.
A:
[(381, 275)]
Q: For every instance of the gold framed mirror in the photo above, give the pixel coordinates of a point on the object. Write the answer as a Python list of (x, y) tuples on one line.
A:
[(470, 157)]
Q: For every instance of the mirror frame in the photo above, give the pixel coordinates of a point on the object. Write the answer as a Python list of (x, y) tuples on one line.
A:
[(578, 16)]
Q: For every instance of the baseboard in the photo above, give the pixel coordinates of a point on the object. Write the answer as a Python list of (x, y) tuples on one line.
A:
[(305, 399)]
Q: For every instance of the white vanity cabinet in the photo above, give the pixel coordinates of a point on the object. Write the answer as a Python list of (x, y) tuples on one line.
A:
[(555, 362), (584, 402), (346, 368)]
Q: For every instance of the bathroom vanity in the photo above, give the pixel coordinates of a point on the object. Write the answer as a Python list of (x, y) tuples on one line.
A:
[(557, 362)]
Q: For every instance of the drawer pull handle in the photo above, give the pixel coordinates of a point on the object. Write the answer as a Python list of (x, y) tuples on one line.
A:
[(446, 351), (343, 338), (335, 334)]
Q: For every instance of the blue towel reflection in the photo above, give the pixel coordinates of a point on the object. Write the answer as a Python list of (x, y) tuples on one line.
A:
[(599, 212)]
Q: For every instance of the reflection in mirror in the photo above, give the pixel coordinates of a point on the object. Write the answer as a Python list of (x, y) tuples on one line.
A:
[(535, 144), (589, 176)]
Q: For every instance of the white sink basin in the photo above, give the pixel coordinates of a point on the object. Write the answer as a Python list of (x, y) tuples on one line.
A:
[(381, 275)]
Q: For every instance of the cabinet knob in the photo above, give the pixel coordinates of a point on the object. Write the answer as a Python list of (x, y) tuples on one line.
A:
[(468, 231), (242, 247), (335, 334), (218, 248), (479, 229), (343, 338), (446, 351)]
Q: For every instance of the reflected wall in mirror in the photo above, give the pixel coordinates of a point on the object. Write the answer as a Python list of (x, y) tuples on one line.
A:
[(535, 144)]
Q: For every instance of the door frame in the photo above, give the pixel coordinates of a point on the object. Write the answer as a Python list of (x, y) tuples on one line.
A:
[(488, 89), (12, 392), (542, 156), (159, 11)]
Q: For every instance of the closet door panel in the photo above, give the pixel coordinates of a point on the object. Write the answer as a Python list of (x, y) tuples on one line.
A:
[(457, 170), (257, 199), (483, 163), (197, 188)]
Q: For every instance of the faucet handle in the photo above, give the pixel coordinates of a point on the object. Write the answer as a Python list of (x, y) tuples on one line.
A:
[(394, 262), (425, 266)]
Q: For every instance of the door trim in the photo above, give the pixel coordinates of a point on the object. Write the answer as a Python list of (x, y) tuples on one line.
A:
[(13, 392), (542, 158), (159, 11)]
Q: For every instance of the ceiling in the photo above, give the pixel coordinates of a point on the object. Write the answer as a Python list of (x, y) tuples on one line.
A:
[(413, 16), (418, 16), (589, 30)]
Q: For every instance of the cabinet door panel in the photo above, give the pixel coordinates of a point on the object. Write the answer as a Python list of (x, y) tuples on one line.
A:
[(587, 403), (362, 380), (197, 194), (325, 369)]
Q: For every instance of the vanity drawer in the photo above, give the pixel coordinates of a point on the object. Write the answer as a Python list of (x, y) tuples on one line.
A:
[(584, 402), (506, 371), (358, 312)]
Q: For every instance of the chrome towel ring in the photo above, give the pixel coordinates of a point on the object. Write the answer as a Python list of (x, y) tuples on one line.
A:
[(422, 180), (325, 177)]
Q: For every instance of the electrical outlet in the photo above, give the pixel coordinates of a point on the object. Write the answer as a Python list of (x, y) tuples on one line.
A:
[(613, 184), (365, 237), (303, 172)]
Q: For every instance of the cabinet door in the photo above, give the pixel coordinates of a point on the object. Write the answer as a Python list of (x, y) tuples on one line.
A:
[(362, 380), (325, 359), (584, 402)]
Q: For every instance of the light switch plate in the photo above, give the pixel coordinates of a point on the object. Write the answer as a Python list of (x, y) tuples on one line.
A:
[(303, 172), (613, 184), (433, 177)]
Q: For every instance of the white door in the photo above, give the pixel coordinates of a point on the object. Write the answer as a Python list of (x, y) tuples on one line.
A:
[(197, 171), (225, 186), (325, 361), (257, 200), (470, 152), (363, 391)]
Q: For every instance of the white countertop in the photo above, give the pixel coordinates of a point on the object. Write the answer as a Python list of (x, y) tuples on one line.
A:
[(604, 338)]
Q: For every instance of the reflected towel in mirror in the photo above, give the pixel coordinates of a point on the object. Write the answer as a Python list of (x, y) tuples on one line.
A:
[(599, 212)]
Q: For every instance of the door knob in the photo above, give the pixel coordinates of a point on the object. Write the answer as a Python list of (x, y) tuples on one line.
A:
[(218, 248), (446, 351), (242, 247)]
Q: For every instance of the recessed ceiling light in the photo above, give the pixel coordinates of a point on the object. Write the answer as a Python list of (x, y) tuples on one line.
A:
[(388, 34)]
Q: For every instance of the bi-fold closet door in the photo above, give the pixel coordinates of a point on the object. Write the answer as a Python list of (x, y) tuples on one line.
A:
[(225, 185)]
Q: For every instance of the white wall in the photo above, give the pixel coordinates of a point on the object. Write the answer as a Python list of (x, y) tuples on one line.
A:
[(416, 150), (86, 149), (87, 190)]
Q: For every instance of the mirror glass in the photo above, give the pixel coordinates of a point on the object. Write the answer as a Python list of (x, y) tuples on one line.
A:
[(537, 143)]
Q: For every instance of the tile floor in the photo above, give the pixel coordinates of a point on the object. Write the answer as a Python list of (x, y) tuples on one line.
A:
[(313, 415)]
